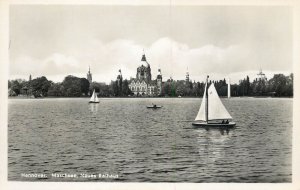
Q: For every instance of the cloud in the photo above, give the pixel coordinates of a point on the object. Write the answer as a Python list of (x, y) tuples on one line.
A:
[(54, 64), (175, 58), (105, 59), (60, 60)]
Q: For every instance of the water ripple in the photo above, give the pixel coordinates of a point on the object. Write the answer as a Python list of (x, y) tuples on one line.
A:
[(121, 136)]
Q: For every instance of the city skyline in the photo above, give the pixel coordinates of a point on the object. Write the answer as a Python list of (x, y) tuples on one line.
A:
[(234, 78), (58, 40)]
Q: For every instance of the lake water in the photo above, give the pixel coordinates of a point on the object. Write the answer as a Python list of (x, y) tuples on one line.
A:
[(123, 141)]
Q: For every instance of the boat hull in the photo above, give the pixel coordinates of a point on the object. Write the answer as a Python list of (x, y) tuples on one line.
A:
[(91, 102), (154, 107), (214, 125)]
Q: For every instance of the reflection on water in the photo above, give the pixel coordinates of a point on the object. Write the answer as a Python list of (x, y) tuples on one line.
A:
[(224, 131), (121, 136), (213, 142), (93, 108)]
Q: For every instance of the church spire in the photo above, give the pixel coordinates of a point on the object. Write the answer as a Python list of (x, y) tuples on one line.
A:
[(89, 76)]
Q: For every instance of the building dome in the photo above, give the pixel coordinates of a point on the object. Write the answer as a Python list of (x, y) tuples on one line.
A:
[(144, 70)]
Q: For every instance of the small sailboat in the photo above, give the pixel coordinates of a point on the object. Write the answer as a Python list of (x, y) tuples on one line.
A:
[(212, 112), (94, 98)]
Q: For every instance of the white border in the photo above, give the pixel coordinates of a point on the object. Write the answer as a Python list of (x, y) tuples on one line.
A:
[(4, 33)]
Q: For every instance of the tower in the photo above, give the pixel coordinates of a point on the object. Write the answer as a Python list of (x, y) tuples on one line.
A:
[(89, 76), (30, 78), (159, 81), (187, 77), (119, 82), (119, 78)]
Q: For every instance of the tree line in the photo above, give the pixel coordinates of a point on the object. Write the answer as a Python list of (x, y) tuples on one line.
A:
[(71, 86), (279, 85)]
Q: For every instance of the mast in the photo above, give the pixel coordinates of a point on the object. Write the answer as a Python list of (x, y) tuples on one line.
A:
[(228, 88), (206, 94)]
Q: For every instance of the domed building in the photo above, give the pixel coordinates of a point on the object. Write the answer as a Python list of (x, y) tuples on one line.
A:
[(143, 84)]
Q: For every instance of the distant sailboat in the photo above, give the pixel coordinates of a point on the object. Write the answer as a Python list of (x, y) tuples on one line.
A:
[(94, 98), (212, 112)]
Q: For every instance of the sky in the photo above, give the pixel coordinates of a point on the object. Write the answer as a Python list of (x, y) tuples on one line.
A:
[(220, 41)]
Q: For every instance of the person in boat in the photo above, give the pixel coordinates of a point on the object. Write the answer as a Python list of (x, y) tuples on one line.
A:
[(227, 122), (222, 121), (154, 105)]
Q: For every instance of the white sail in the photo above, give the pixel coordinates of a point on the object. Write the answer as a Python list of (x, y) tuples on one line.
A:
[(201, 113), (216, 109), (228, 88), (94, 97)]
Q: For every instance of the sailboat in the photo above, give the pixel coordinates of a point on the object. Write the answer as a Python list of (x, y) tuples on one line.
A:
[(212, 112), (94, 98)]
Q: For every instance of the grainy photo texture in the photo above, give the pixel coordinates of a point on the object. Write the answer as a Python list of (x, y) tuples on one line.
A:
[(177, 93)]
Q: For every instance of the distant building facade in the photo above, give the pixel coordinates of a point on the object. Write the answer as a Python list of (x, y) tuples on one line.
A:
[(143, 83)]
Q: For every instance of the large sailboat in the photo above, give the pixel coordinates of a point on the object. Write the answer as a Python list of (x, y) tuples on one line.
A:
[(212, 112), (94, 98)]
